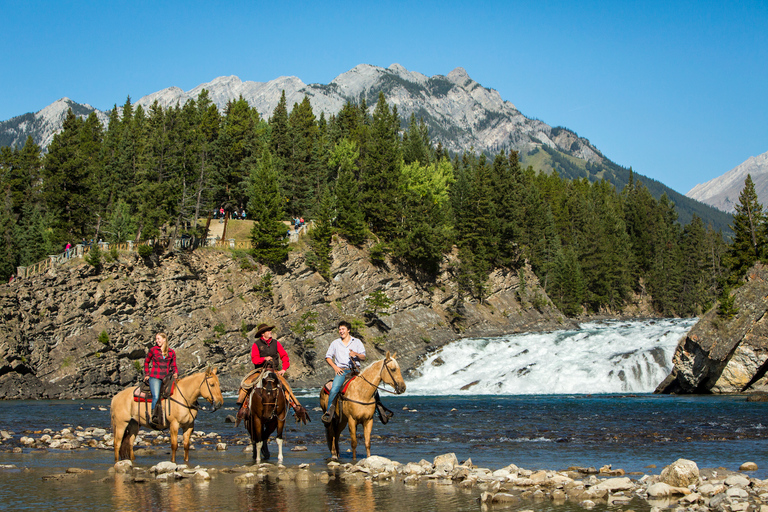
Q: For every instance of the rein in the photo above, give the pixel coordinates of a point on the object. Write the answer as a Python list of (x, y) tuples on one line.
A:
[(378, 387), (372, 385), (193, 406), (274, 409)]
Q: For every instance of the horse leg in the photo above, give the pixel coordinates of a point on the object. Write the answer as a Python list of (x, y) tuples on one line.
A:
[(280, 425), (256, 439), (174, 442), (187, 438), (118, 431), (353, 437), (367, 428), (132, 431), (267, 429)]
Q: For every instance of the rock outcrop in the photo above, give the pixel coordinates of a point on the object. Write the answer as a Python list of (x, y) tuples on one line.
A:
[(82, 332), (726, 356)]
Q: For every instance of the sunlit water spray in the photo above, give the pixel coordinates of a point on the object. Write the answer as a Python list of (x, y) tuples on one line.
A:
[(599, 357)]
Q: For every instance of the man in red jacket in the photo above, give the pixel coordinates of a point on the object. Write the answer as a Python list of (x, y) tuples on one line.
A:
[(265, 354)]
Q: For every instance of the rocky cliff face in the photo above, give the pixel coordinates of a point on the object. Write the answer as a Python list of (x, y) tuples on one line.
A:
[(52, 343), (726, 356)]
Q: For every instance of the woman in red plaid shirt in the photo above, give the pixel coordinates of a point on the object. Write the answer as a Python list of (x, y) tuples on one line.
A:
[(163, 361)]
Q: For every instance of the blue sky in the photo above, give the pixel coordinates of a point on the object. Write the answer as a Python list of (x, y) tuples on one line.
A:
[(677, 90)]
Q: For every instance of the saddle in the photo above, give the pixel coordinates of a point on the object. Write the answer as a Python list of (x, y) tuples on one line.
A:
[(382, 412), (142, 392)]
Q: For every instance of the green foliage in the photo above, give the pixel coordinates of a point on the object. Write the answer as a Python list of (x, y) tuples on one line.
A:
[(104, 338), (358, 328), (726, 308), (377, 303), (320, 236), (154, 172), (378, 253), (138, 367), (219, 329), (264, 286), (93, 257), (243, 329), (304, 326), (269, 233)]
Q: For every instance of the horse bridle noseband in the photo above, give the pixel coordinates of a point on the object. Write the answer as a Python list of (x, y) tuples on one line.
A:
[(274, 409), (345, 399), (194, 405)]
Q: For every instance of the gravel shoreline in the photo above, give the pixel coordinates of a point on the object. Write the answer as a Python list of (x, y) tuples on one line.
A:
[(681, 485)]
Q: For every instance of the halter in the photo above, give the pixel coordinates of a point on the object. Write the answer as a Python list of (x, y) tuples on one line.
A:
[(386, 365), (274, 409), (342, 397), (194, 405)]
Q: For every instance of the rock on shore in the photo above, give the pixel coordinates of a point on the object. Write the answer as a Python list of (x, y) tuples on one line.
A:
[(726, 356), (680, 486), (82, 332)]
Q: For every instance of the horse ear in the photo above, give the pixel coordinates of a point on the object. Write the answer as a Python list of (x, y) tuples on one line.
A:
[(213, 370), (394, 355), (388, 356)]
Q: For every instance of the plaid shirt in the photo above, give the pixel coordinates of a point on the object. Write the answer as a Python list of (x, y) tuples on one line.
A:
[(161, 366)]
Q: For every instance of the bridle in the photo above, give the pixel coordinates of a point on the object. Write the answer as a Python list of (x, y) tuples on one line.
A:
[(195, 405), (274, 409), (391, 376)]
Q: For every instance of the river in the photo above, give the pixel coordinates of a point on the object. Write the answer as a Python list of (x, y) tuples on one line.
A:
[(567, 398)]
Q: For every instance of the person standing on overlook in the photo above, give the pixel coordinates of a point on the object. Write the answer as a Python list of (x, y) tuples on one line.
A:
[(342, 354)]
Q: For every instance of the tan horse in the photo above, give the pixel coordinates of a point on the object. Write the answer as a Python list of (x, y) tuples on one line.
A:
[(180, 411), (357, 405)]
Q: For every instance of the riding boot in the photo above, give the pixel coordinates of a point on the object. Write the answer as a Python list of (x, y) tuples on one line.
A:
[(328, 416), (384, 413)]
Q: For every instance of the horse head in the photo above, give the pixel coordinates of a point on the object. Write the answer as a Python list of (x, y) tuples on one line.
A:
[(210, 389), (390, 373), (269, 395)]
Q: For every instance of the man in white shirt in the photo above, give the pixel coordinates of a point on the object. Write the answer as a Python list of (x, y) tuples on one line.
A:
[(341, 355)]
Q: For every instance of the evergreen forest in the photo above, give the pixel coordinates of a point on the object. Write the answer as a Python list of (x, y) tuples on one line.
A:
[(368, 177)]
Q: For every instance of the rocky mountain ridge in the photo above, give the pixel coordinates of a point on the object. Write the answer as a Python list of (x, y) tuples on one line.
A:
[(723, 192), (460, 114), (81, 332)]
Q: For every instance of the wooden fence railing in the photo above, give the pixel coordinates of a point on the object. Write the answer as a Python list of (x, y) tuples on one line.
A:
[(81, 250)]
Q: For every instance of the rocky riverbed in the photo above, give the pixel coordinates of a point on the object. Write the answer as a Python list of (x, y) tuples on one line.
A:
[(680, 485)]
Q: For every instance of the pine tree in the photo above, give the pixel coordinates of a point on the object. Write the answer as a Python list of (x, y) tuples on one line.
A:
[(381, 188), (269, 233), (749, 237), (322, 234), (349, 214)]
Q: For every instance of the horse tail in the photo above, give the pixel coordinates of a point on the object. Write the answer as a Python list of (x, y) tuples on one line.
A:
[(125, 444)]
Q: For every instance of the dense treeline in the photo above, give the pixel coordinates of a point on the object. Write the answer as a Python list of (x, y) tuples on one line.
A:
[(362, 176)]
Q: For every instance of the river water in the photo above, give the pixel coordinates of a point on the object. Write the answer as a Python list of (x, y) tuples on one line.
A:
[(624, 426)]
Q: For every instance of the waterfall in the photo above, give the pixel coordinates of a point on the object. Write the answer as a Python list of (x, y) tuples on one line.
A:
[(598, 357)]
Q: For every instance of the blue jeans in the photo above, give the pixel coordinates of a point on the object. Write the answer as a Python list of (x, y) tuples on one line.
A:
[(154, 387), (338, 382)]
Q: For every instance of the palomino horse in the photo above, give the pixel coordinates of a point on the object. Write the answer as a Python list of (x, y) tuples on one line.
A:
[(357, 405), (268, 410), (180, 411)]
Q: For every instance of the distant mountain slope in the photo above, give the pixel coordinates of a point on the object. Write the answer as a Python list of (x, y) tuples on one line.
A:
[(461, 114), (723, 192)]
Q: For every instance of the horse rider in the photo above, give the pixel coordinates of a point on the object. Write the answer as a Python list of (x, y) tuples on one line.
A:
[(162, 359), (265, 354), (342, 356)]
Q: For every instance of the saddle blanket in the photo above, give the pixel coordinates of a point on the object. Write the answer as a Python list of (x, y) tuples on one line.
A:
[(327, 387)]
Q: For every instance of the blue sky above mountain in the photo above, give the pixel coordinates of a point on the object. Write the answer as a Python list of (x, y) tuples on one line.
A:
[(673, 89)]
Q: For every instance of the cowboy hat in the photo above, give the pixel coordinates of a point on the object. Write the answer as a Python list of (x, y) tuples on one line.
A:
[(262, 328)]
